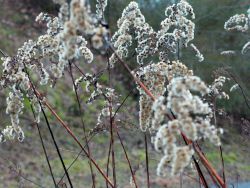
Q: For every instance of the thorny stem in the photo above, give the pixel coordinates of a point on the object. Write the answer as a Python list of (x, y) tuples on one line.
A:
[(83, 125), (201, 156)]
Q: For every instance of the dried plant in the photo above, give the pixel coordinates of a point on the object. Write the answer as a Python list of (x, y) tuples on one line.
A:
[(174, 104)]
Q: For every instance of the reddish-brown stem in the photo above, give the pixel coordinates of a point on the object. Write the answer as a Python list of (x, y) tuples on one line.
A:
[(111, 121), (197, 181), (126, 155), (107, 170), (134, 77), (147, 161), (146, 90), (75, 138), (211, 176), (83, 124), (223, 164), (201, 176), (210, 168), (205, 162)]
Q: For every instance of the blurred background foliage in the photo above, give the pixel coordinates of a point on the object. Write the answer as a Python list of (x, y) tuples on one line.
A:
[(17, 25), (210, 38)]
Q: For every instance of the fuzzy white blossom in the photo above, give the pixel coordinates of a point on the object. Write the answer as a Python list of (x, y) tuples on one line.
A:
[(228, 52), (192, 118), (176, 28), (133, 20), (239, 22), (63, 42), (154, 77), (100, 8), (197, 53), (216, 88), (245, 48), (234, 87)]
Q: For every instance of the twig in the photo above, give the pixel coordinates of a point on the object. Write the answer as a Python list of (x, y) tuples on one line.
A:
[(49, 127), (126, 155), (83, 125), (19, 174), (4, 55), (147, 161), (202, 157), (220, 148), (241, 89), (69, 131), (202, 178), (111, 123), (78, 155), (76, 140), (223, 165), (43, 146), (107, 168)]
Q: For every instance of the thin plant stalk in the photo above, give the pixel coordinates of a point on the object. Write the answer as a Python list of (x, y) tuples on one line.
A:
[(78, 155), (127, 158), (147, 161), (50, 130), (111, 123), (220, 148), (107, 168), (201, 156), (83, 124), (44, 148), (77, 141), (69, 131)]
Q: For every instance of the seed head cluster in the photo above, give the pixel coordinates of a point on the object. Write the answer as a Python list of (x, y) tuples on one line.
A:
[(192, 117), (175, 29), (180, 106), (239, 22), (49, 55)]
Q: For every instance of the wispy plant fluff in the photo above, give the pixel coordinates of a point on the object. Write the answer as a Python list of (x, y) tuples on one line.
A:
[(175, 30), (192, 114), (48, 56), (178, 93), (239, 22), (100, 8)]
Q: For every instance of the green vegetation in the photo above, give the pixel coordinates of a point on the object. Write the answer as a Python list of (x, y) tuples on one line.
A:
[(210, 37)]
